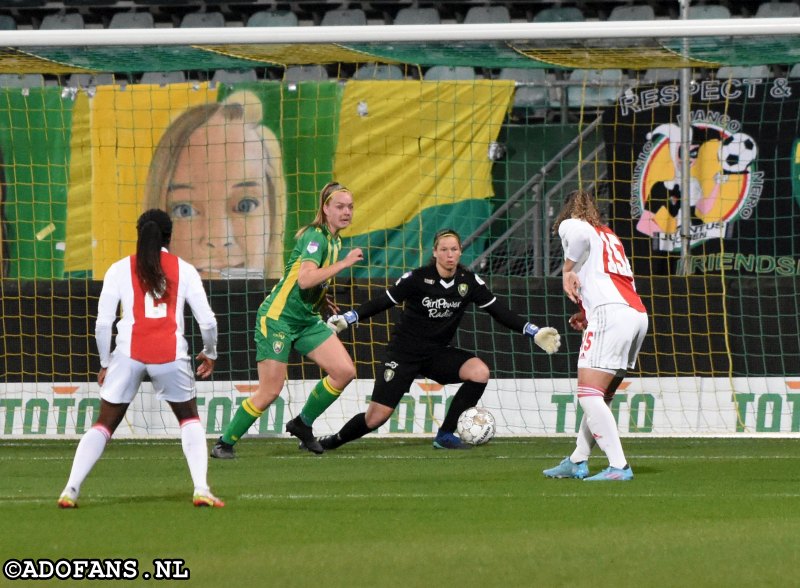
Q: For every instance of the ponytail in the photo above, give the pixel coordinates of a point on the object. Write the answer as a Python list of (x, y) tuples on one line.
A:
[(155, 231)]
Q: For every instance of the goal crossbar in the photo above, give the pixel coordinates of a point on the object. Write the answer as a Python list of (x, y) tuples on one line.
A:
[(656, 29)]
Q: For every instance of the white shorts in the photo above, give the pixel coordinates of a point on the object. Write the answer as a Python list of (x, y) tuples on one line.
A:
[(613, 338), (173, 381)]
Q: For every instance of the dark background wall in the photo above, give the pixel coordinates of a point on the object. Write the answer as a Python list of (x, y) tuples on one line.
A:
[(702, 326)]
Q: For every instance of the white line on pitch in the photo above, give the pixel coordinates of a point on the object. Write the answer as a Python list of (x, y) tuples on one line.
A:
[(6, 501), (438, 457)]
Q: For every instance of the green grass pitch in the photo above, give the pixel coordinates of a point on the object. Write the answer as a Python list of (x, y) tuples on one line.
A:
[(395, 512)]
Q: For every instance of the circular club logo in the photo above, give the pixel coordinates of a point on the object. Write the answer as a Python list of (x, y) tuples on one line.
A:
[(723, 183)]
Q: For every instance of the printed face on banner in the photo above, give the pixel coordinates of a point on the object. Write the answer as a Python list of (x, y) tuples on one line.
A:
[(218, 173), (219, 200)]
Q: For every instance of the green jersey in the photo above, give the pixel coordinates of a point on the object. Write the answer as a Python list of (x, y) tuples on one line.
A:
[(287, 301)]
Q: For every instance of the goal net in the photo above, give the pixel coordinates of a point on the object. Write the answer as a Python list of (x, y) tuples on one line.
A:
[(484, 134)]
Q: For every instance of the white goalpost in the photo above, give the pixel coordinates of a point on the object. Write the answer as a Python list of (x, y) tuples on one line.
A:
[(523, 113)]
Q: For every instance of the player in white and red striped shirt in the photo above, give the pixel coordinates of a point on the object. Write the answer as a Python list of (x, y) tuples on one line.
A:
[(152, 287), (597, 276)]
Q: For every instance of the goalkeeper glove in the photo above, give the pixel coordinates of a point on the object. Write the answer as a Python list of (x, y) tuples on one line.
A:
[(547, 337), (339, 322)]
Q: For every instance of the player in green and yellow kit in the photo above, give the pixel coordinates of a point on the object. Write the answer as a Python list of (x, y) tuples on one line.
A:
[(290, 318)]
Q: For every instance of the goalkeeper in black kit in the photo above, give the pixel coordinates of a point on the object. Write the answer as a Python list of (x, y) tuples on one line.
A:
[(435, 298)]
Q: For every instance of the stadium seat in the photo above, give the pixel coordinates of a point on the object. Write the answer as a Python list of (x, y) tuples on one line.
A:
[(560, 14), (21, 80), (24, 3), (447, 72), (708, 11), (273, 18), (344, 17), (162, 78), (778, 10), (487, 14), (132, 20), (378, 71), (417, 16), (745, 71), (89, 3), (62, 21), (594, 87), (627, 13), (531, 90), (555, 14), (85, 80), (163, 2), (225, 76), (660, 74), (642, 12), (197, 20), (7, 23), (303, 73)]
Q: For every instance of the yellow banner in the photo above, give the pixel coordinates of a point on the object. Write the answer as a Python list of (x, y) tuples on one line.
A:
[(406, 146), (78, 241)]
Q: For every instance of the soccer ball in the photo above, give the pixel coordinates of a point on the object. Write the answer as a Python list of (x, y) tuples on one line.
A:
[(737, 152), (476, 426)]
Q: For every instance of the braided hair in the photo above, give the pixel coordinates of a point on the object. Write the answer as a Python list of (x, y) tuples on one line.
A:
[(154, 229)]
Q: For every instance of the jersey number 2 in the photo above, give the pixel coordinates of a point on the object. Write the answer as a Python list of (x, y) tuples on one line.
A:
[(153, 310)]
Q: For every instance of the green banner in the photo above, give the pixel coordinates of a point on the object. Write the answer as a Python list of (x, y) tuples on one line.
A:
[(34, 138)]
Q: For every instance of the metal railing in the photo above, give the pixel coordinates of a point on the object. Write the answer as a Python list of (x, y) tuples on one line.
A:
[(539, 199)]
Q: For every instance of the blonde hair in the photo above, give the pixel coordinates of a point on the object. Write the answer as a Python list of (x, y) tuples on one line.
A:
[(438, 236), (579, 204), (328, 190), (240, 106), (441, 233)]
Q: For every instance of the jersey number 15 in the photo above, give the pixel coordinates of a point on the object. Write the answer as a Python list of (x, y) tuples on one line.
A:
[(614, 260)]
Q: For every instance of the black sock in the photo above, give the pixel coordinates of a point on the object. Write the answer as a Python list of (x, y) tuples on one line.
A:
[(353, 429), (467, 396)]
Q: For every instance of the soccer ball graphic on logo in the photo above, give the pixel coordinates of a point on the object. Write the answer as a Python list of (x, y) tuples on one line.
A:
[(737, 152), (475, 426)]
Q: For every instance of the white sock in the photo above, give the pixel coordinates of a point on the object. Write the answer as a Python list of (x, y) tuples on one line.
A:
[(89, 450), (193, 440), (584, 443), (601, 423)]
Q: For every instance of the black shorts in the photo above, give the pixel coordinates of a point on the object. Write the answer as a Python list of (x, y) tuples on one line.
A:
[(398, 372)]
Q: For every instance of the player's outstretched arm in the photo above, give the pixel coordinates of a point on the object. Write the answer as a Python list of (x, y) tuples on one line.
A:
[(339, 322), (311, 274), (546, 338)]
